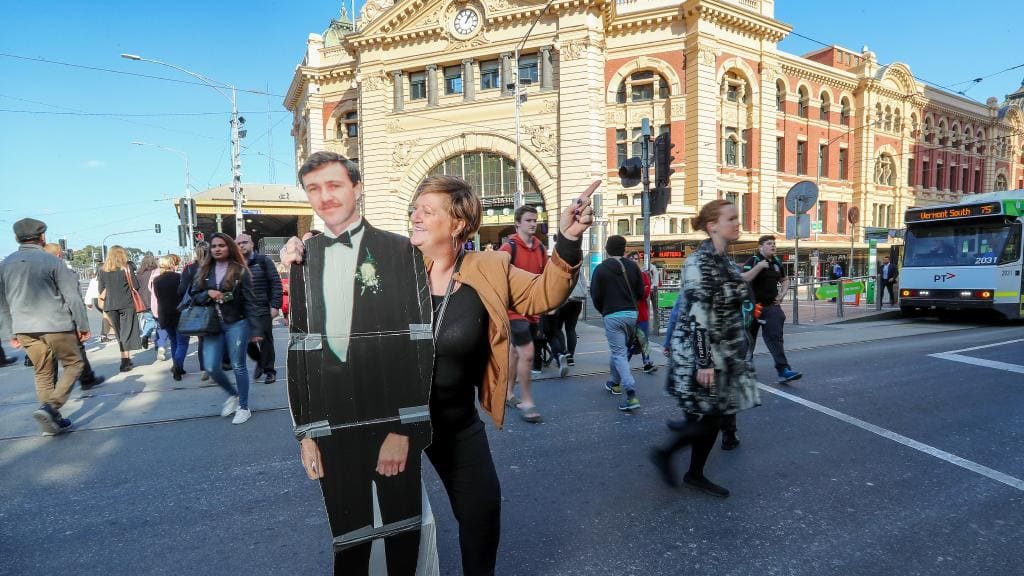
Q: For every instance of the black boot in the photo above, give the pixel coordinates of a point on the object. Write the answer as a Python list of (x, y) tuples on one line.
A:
[(126, 364), (729, 440)]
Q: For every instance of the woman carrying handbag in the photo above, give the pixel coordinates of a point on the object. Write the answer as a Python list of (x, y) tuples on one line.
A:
[(223, 283), (118, 291)]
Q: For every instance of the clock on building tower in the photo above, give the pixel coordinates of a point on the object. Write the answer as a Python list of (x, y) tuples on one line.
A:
[(466, 22)]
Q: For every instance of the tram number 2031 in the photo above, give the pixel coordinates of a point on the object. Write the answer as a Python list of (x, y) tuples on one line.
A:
[(985, 260)]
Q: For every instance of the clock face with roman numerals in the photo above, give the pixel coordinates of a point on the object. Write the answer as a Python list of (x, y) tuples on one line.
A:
[(466, 22)]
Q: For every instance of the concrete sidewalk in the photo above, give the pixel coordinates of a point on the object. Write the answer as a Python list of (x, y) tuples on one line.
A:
[(148, 395)]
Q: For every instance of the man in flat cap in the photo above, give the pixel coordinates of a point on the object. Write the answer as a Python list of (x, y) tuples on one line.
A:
[(41, 307)]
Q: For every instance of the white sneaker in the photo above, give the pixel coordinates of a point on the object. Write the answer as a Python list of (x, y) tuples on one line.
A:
[(563, 367), (161, 354), (241, 416), (230, 405)]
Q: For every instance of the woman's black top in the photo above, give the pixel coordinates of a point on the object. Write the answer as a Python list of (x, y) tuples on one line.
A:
[(165, 289), (460, 359), (116, 284), (239, 306)]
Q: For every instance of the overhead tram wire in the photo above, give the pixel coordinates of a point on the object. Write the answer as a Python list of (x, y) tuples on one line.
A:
[(936, 84), (128, 115), (112, 71)]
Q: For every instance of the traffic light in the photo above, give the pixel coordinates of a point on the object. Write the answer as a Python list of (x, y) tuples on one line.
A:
[(157, 228), (182, 235), (69, 254), (186, 206), (199, 236), (630, 172), (63, 245), (661, 194)]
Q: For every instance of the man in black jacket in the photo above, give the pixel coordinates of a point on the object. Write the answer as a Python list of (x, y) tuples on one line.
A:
[(614, 288), (266, 283)]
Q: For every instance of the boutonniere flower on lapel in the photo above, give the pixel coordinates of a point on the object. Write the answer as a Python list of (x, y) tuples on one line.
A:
[(366, 273)]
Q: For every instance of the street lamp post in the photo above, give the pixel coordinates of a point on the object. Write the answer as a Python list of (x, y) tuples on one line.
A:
[(520, 198), (187, 208), (236, 134)]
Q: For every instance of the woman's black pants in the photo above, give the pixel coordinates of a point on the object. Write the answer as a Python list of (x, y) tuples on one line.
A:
[(700, 433), (463, 461)]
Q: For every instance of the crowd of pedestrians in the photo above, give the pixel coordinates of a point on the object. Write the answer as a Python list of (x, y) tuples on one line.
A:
[(493, 311), (44, 312)]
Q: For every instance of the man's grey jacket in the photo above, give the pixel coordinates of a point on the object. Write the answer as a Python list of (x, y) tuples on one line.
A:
[(37, 295)]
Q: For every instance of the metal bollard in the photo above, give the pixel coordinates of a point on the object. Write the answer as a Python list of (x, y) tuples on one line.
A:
[(878, 292), (839, 297)]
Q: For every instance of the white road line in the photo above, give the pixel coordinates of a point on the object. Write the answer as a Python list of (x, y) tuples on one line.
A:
[(930, 450), (1004, 366), (980, 347)]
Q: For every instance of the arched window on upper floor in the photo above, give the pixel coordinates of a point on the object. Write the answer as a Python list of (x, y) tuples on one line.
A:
[(803, 101), (826, 103), (1001, 183), (879, 115), (943, 135), (888, 119), (968, 141), (780, 95), (735, 88), (642, 86), (929, 130), (846, 112), (885, 170), (897, 121)]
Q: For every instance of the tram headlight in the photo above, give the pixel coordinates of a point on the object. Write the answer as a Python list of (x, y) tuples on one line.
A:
[(905, 293), (966, 294)]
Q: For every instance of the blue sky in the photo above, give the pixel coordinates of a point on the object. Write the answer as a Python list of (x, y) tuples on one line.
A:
[(81, 174)]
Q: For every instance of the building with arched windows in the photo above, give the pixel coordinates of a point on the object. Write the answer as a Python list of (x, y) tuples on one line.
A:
[(421, 87)]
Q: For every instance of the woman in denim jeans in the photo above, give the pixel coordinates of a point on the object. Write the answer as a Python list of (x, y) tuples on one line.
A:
[(223, 281)]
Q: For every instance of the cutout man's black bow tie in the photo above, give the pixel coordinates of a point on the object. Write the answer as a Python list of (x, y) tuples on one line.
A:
[(346, 237)]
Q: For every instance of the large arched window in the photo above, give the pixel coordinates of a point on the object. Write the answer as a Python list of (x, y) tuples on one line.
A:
[(846, 112), (826, 101), (780, 95), (642, 86), (488, 173)]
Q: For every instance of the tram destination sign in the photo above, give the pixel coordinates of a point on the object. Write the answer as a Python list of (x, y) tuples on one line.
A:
[(948, 212)]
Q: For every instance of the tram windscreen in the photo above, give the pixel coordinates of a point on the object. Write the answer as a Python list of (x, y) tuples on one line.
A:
[(962, 244)]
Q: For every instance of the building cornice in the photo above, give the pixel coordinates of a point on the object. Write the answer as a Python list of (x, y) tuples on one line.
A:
[(737, 19)]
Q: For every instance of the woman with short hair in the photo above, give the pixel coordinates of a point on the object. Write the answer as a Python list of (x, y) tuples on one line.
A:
[(116, 280)]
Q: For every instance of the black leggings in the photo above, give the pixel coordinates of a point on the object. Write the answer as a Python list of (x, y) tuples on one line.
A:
[(569, 314), (701, 434), (464, 463)]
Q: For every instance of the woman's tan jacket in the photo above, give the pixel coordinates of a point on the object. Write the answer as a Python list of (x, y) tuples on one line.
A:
[(501, 287)]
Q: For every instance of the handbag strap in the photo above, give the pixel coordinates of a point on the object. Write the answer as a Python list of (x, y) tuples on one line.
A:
[(128, 278), (625, 277)]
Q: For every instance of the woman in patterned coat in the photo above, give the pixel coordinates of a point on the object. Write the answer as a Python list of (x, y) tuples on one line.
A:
[(710, 372)]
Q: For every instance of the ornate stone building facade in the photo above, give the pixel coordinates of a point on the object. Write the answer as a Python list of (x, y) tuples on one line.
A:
[(419, 87)]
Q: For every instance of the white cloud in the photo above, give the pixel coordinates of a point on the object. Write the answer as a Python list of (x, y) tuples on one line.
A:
[(94, 164)]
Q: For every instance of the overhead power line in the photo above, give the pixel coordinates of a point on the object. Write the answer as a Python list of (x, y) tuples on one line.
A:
[(126, 115), (936, 84), (112, 71)]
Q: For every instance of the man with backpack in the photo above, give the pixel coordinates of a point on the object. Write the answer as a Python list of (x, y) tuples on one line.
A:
[(527, 253)]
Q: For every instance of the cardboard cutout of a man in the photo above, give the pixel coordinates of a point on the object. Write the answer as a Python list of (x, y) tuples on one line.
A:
[(359, 370)]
